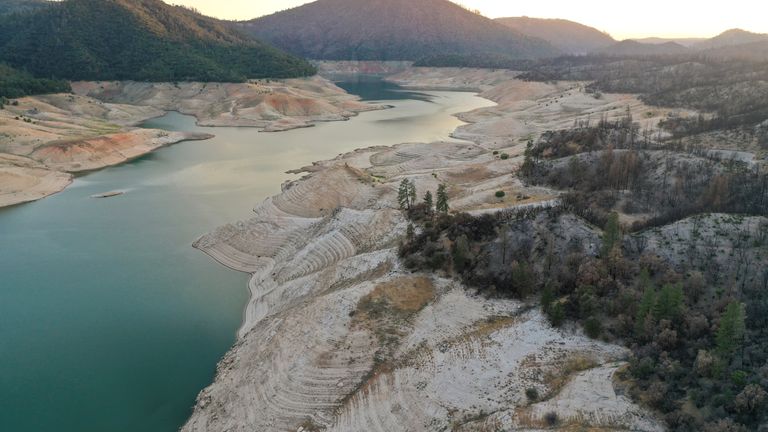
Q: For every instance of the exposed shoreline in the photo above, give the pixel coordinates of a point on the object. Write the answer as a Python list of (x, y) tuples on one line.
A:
[(300, 361), (52, 139)]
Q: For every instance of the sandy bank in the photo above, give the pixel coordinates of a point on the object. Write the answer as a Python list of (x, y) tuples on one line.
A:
[(313, 355), (24, 180)]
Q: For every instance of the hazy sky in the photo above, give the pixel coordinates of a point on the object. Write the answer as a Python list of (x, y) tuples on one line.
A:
[(670, 18)]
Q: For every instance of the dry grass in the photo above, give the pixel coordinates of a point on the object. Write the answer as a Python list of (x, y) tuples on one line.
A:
[(556, 379), (407, 295)]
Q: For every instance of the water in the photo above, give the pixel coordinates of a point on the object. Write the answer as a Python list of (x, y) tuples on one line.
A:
[(109, 319)]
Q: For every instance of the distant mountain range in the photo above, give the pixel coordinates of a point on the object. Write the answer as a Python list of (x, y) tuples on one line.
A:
[(731, 38), (567, 36), (736, 44), (686, 42), (390, 30), (145, 40), (630, 48)]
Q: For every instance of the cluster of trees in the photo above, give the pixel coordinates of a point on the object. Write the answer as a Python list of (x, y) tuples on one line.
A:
[(735, 91), (144, 40), (700, 345), (614, 166), (15, 84), (406, 198)]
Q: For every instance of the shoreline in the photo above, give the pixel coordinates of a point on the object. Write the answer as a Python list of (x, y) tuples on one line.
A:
[(310, 270), (307, 169), (331, 104)]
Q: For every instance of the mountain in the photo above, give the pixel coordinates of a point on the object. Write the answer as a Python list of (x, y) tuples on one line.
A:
[(568, 36), (754, 51), (390, 30), (630, 48), (14, 6), (730, 38), (145, 40), (686, 42)]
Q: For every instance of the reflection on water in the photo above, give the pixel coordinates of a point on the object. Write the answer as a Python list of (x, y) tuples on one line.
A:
[(372, 88), (109, 320)]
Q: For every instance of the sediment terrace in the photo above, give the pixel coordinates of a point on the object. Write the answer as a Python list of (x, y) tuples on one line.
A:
[(45, 139), (338, 336)]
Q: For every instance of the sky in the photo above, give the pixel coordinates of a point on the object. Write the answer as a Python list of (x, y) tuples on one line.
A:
[(663, 18)]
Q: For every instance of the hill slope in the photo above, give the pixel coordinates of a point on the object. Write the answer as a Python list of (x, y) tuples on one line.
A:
[(686, 42), (630, 48), (568, 36), (14, 84), (730, 38), (145, 40), (390, 30)]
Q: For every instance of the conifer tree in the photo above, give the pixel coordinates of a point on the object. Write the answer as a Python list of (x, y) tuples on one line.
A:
[(406, 194), (442, 199), (429, 201), (731, 331)]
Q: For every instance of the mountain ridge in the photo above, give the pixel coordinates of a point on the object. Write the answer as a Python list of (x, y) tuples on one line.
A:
[(143, 40), (389, 30), (569, 36)]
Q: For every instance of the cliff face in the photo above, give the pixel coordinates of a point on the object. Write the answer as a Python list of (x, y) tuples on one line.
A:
[(339, 337)]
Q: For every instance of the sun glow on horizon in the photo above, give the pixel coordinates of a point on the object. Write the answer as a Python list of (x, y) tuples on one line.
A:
[(660, 18)]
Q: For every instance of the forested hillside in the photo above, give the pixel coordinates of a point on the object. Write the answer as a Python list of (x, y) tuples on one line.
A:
[(14, 84), (390, 30), (144, 40)]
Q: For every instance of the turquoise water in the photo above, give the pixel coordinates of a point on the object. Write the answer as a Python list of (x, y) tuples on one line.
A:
[(109, 320)]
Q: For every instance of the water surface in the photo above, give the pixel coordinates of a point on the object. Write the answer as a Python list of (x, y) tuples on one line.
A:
[(109, 320)]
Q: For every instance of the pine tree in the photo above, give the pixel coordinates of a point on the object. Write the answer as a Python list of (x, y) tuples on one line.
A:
[(429, 201), (731, 331), (556, 314), (646, 304), (410, 232), (442, 199), (528, 164), (411, 194), (460, 253), (669, 303), (404, 194)]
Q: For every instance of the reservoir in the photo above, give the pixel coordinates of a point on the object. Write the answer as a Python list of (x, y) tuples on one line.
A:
[(109, 319)]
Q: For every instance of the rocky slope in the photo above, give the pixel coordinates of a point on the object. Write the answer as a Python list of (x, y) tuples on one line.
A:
[(267, 104), (338, 336)]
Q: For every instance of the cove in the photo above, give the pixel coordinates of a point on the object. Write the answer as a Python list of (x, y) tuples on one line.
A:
[(109, 319)]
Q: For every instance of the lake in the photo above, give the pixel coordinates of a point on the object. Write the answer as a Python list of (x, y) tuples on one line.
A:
[(109, 319)]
